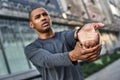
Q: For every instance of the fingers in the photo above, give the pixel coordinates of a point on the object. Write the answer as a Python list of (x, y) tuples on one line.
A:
[(90, 43), (93, 56), (90, 50), (93, 59), (101, 24), (98, 25), (86, 54), (86, 44)]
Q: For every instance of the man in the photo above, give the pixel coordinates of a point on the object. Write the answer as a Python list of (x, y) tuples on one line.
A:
[(56, 54)]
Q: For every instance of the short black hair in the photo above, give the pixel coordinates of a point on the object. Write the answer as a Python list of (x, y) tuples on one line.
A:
[(29, 14)]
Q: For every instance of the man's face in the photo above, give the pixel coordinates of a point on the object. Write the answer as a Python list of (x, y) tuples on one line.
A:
[(40, 20)]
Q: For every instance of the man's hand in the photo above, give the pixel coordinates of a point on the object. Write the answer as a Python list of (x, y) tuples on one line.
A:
[(89, 54), (89, 35)]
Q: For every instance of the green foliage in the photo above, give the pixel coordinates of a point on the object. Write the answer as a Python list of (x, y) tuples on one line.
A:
[(92, 67)]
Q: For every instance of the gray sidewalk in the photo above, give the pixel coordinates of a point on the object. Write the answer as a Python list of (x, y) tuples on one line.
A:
[(111, 72)]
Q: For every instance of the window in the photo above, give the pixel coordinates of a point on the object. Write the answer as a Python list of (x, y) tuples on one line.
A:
[(15, 35)]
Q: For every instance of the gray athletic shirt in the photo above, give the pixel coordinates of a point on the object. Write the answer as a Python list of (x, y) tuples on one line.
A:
[(50, 57)]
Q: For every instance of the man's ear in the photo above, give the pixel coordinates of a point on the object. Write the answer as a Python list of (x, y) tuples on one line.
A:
[(31, 24)]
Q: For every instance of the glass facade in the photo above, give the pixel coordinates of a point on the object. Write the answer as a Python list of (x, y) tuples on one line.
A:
[(15, 35)]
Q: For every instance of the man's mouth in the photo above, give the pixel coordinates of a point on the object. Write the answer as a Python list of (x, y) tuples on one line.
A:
[(45, 24)]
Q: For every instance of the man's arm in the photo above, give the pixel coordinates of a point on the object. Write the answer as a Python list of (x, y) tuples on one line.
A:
[(88, 34), (85, 54), (43, 58)]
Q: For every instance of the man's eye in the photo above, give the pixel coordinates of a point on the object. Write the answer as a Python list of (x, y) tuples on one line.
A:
[(45, 14), (38, 16)]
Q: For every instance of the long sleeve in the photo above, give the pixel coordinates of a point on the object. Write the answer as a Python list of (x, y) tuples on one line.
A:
[(69, 38), (44, 58)]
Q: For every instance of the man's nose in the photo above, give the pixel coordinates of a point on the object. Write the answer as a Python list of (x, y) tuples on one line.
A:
[(43, 18)]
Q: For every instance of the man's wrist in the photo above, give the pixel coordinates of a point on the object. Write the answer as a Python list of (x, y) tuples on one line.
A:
[(72, 57)]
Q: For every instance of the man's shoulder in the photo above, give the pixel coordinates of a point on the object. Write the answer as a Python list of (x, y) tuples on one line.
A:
[(30, 46)]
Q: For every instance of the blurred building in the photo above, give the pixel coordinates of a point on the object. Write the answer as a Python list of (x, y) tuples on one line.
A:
[(15, 32)]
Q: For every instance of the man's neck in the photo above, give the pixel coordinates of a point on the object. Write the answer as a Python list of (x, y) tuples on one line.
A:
[(47, 35)]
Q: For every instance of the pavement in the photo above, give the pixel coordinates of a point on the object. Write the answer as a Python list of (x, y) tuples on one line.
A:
[(111, 72)]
